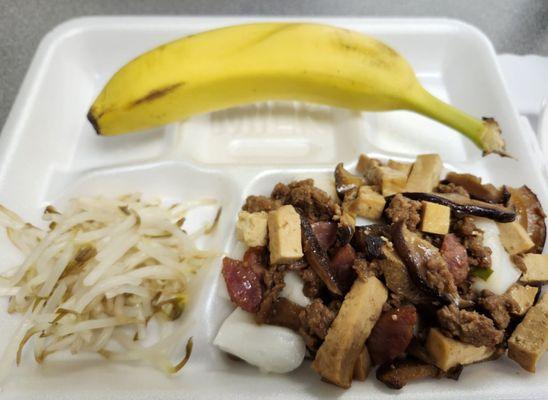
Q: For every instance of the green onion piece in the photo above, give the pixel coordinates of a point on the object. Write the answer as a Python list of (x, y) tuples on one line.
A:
[(482, 273)]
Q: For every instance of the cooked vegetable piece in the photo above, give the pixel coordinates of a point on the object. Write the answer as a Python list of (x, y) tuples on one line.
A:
[(514, 238), (105, 271), (436, 218), (392, 334), (362, 365), (326, 233), (284, 228), (425, 174), (465, 206), (360, 310), (284, 313), (455, 255), (503, 273), (345, 181), (529, 214), (367, 204), (536, 268), (447, 353), (524, 296), (341, 265), (368, 242), (243, 285), (398, 374), (472, 184), (271, 348), (251, 228), (345, 228), (397, 277), (482, 273), (293, 289), (317, 257), (424, 262), (529, 340)]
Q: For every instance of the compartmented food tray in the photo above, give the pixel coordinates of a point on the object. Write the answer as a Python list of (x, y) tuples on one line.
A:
[(50, 153)]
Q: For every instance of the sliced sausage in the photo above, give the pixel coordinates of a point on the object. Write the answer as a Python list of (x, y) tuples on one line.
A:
[(455, 255), (243, 285), (392, 334)]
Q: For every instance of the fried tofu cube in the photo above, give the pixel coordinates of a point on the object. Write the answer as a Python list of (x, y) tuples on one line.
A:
[(392, 181), (447, 353), (536, 268), (524, 296), (367, 204), (251, 228), (435, 218), (370, 169), (284, 228), (362, 306), (425, 174), (403, 167), (514, 237), (530, 338)]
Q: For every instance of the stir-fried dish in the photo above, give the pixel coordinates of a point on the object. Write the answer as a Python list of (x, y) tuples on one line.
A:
[(392, 267)]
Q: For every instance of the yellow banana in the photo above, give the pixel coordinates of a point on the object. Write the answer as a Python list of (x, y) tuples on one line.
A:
[(243, 64)]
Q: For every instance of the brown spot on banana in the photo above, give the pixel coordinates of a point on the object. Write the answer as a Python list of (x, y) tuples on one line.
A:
[(157, 93)]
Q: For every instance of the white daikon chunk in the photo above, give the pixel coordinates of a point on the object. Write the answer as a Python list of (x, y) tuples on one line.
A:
[(270, 348), (293, 289), (505, 274)]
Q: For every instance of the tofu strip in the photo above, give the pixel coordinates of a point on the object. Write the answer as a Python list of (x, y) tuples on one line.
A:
[(359, 312), (529, 340)]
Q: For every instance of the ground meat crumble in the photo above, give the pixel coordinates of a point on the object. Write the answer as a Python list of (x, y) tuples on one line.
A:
[(310, 202), (469, 326), (500, 308), (404, 209), (479, 256)]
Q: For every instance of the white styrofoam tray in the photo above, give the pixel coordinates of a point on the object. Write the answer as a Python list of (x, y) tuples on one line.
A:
[(48, 153)]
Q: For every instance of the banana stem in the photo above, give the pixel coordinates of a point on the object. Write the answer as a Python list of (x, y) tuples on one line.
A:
[(484, 133)]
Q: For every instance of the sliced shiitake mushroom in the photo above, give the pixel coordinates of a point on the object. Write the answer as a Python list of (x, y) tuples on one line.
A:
[(369, 241), (529, 214), (472, 184), (399, 373), (345, 181), (465, 206), (317, 257), (425, 264)]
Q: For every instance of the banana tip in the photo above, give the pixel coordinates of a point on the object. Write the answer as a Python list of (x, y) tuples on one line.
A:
[(93, 121)]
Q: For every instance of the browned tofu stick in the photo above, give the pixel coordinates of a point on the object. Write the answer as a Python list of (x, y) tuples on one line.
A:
[(530, 339), (362, 365), (536, 268), (447, 353), (360, 310)]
